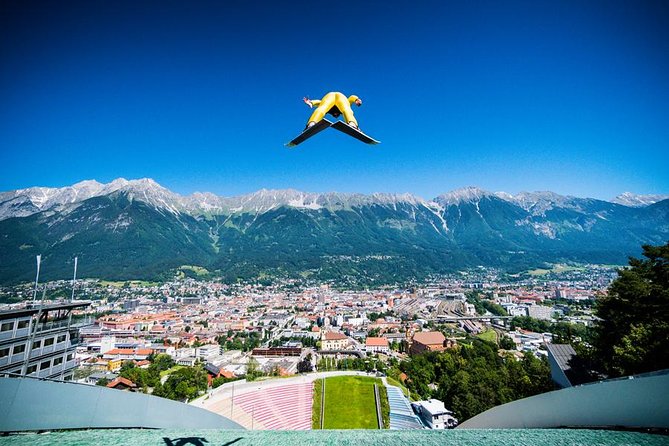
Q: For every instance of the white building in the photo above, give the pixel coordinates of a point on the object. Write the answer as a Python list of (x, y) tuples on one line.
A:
[(187, 361), (334, 341), (207, 351), (515, 310), (376, 345), (356, 321), (40, 341), (107, 343), (434, 414)]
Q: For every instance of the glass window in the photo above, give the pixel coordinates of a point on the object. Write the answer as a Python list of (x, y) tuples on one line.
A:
[(4, 352), (23, 324), (31, 369), (37, 344), (70, 357), (61, 338), (58, 361), (48, 342), (7, 326), (45, 365), (19, 348)]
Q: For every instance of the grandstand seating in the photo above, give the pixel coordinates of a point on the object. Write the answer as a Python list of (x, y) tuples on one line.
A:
[(401, 414), (282, 407)]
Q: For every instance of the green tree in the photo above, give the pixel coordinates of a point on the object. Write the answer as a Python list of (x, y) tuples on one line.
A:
[(126, 366), (507, 343), (633, 334), (494, 308), (474, 377), (305, 366), (253, 370), (217, 382), (163, 362), (183, 384)]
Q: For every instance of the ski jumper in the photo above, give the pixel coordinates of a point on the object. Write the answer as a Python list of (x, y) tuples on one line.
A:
[(334, 103)]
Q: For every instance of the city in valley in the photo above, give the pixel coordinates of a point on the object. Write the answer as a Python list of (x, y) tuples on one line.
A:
[(288, 327)]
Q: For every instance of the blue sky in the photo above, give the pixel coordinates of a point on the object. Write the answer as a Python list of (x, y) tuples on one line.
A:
[(566, 96)]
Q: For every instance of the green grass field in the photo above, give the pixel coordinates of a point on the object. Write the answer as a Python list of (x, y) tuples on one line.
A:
[(557, 268), (316, 408), (170, 371), (349, 402), (488, 335), (394, 382)]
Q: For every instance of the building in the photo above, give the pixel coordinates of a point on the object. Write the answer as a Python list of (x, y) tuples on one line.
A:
[(114, 364), (131, 305), (427, 341), (187, 361), (395, 337), (40, 340), (559, 356), (277, 351), (540, 312), (128, 354), (434, 414), (334, 341), (160, 349), (190, 300), (121, 383), (376, 345), (208, 351), (95, 377), (214, 371)]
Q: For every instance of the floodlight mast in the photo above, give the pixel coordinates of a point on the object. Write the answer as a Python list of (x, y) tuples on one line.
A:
[(74, 278), (39, 260)]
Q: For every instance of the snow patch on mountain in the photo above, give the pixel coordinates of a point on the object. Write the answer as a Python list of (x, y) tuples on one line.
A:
[(540, 202), (25, 202), (470, 194), (637, 201), (547, 229)]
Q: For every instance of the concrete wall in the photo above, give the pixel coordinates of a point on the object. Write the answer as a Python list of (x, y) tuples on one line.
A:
[(30, 404), (641, 401)]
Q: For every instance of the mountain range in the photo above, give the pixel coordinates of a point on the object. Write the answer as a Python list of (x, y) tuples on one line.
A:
[(139, 229)]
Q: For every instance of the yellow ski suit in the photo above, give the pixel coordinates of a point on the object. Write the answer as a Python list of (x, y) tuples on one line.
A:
[(334, 103)]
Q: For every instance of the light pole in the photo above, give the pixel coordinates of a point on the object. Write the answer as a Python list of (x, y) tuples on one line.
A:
[(232, 399)]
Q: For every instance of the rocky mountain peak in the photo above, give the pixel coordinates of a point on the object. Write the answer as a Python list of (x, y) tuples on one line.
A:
[(469, 194), (636, 200)]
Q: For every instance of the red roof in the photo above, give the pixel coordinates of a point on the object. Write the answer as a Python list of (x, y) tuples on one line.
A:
[(334, 336), (429, 338), (121, 380), (227, 374), (377, 342), (129, 351)]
